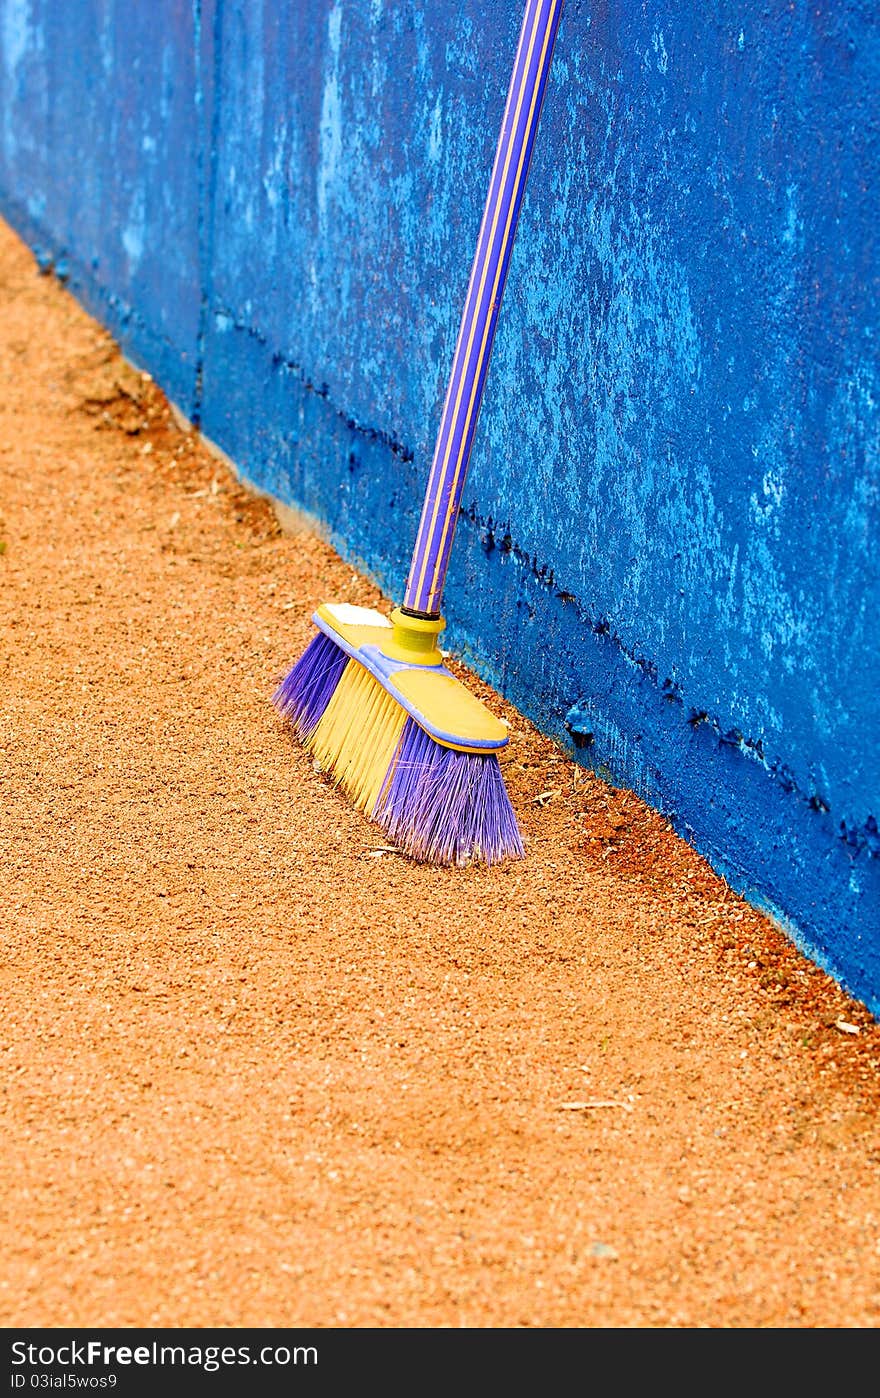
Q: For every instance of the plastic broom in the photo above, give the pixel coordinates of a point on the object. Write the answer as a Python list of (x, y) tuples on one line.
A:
[(370, 696)]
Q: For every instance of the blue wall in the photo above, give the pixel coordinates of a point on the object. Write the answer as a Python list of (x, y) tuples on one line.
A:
[(668, 556)]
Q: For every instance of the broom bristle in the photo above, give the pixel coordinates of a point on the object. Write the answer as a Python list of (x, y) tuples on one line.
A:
[(447, 807), (439, 805), (358, 735), (307, 689)]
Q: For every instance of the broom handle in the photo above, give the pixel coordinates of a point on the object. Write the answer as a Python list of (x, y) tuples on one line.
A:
[(427, 574)]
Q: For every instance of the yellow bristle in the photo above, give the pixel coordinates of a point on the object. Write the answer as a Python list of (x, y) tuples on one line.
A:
[(358, 734)]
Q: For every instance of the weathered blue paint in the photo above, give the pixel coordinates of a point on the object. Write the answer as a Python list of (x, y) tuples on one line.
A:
[(668, 556), (100, 156)]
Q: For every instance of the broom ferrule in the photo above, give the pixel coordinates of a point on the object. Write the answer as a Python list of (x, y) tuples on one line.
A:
[(414, 639)]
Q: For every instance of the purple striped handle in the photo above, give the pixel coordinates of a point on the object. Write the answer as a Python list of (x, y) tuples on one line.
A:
[(433, 544)]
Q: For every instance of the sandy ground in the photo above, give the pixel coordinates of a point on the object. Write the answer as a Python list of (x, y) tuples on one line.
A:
[(261, 1071)]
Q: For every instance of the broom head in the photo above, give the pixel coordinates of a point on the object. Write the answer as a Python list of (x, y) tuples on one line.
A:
[(409, 744)]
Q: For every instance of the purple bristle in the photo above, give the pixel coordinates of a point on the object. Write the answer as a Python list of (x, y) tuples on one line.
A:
[(307, 689), (446, 807)]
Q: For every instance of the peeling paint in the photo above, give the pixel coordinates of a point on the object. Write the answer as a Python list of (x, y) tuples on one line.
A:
[(16, 32), (330, 130), (135, 231)]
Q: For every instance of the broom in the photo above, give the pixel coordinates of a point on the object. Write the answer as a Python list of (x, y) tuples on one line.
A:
[(370, 697)]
